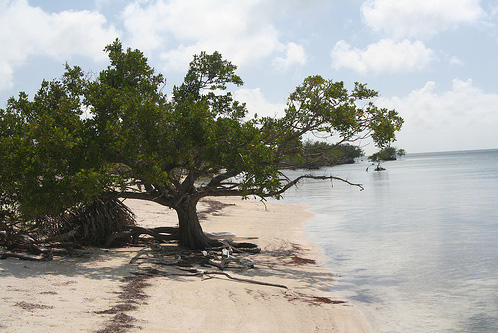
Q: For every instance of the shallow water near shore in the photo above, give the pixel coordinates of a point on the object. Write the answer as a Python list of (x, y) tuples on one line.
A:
[(418, 248)]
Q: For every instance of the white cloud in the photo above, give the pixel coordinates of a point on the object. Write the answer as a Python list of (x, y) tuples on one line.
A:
[(456, 61), (257, 104), (296, 55), (241, 30), (464, 117), (29, 31), (384, 56), (6, 75), (419, 19)]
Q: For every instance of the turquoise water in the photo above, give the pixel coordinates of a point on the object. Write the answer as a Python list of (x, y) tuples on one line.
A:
[(418, 248)]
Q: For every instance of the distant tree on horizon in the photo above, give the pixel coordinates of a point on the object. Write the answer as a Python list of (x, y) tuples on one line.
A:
[(388, 153), (316, 154), (134, 142)]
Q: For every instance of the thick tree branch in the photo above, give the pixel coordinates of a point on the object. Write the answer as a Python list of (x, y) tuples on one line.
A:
[(216, 181), (224, 191), (315, 177), (144, 196)]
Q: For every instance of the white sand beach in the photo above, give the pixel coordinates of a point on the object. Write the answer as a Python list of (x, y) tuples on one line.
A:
[(100, 293)]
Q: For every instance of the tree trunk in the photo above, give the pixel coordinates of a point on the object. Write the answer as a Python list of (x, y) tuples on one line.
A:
[(190, 231)]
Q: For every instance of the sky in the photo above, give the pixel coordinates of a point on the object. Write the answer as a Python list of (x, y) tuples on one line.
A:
[(434, 61)]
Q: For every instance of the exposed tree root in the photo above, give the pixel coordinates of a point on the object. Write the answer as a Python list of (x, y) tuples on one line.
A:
[(203, 273)]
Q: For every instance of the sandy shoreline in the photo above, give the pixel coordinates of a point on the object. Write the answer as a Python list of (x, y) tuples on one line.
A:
[(93, 294)]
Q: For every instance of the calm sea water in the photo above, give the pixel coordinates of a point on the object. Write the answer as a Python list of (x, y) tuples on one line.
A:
[(418, 248)]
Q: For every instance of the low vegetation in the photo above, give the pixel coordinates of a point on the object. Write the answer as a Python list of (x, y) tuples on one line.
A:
[(316, 154)]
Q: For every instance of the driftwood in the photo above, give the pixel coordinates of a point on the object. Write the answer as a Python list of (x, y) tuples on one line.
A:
[(220, 258), (29, 245), (45, 254), (163, 229), (185, 261), (156, 233), (135, 231), (167, 234), (238, 247), (44, 257), (246, 263)]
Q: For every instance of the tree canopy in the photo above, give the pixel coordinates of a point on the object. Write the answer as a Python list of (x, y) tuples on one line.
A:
[(118, 135)]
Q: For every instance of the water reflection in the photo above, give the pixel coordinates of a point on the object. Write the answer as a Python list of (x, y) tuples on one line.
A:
[(380, 176)]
